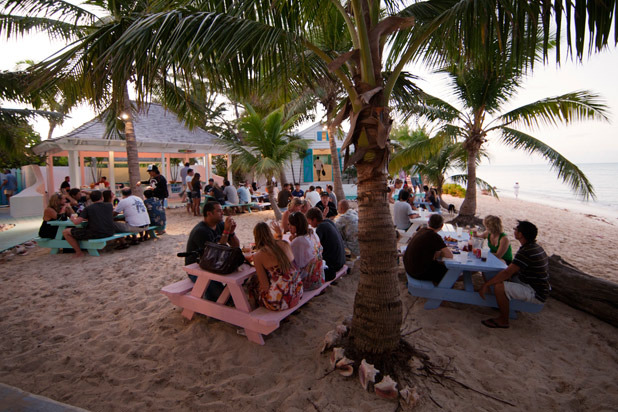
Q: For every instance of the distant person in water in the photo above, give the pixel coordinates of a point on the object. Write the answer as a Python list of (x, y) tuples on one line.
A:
[(516, 190)]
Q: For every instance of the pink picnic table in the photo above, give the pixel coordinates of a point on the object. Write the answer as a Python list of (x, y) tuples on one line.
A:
[(255, 322)]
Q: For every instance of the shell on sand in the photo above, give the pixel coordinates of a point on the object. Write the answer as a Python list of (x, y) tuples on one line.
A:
[(366, 373), (336, 355), (341, 330), (387, 388), (345, 366), (410, 396), (331, 339)]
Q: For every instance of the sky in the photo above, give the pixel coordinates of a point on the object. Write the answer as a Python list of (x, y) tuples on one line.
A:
[(584, 142)]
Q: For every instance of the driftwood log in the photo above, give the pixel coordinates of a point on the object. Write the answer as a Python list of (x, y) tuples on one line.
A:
[(595, 296)]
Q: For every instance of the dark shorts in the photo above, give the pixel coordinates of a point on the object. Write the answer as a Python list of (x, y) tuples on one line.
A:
[(195, 195), (82, 233)]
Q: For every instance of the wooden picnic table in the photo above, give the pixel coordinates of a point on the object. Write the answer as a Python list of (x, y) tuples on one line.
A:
[(465, 263), (255, 322)]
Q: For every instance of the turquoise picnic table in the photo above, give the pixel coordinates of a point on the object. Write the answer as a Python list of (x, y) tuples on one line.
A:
[(465, 263)]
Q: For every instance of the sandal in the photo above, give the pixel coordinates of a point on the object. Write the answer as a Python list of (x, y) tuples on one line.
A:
[(491, 323)]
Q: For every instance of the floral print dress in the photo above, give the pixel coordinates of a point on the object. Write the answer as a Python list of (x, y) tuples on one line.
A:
[(285, 289), (308, 255)]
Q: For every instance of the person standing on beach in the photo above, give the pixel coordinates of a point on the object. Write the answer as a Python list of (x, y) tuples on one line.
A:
[(526, 278), (9, 184), (516, 190)]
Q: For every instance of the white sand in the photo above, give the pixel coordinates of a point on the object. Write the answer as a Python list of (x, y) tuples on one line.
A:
[(99, 335)]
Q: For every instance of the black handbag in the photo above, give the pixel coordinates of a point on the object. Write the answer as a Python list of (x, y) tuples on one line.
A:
[(221, 259), (323, 172)]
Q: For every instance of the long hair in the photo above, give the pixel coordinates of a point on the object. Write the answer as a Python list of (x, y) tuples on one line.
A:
[(55, 202), (195, 182), (295, 202), (493, 224), (264, 240), (299, 221)]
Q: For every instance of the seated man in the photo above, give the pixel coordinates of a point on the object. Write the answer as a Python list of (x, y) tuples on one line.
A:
[(297, 192), (100, 217), (326, 205), (404, 211), (334, 250), (424, 250), (244, 195), (347, 224), (526, 278), (284, 197), (312, 196), (103, 181), (136, 218), (211, 229)]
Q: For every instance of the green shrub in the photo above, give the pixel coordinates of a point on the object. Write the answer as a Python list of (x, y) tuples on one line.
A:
[(454, 190)]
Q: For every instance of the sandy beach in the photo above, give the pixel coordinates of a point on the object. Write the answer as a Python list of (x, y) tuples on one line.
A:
[(98, 334)]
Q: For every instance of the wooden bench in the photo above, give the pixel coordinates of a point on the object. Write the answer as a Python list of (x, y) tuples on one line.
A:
[(91, 245), (256, 322)]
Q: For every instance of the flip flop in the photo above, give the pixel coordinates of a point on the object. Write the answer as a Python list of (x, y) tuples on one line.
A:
[(490, 323)]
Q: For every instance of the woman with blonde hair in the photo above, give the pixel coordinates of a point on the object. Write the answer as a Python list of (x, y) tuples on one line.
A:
[(497, 240), (57, 209), (293, 206), (277, 284)]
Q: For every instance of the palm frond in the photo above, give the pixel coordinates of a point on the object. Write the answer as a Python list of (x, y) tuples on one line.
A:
[(568, 172), (567, 108), (13, 26)]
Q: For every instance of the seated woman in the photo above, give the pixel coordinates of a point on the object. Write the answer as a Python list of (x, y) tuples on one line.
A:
[(217, 193), (434, 200), (294, 206), (277, 284), (307, 252), (57, 209), (497, 240)]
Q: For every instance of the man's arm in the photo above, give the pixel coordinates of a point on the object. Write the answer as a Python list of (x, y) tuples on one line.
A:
[(500, 277), (229, 237)]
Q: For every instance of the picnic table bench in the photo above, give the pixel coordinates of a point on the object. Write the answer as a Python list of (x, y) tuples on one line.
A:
[(91, 245), (256, 322)]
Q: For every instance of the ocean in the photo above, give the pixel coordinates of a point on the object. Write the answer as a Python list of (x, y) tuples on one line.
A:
[(537, 183)]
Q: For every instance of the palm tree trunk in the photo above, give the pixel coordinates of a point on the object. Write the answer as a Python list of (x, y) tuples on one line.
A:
[(292, 169), (131, 142), (273, 200), (282, 178), (337, 182), (376, 322), (468, 207)]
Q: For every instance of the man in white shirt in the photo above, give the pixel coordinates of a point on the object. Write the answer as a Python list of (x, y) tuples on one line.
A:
[(135, 213), (312, 196), (403, 211), (318, 165)]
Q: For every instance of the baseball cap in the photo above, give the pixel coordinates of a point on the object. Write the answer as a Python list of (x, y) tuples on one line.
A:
[(150, 167)]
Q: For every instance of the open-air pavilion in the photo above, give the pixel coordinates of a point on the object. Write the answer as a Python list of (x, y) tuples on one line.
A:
[(160, 137)]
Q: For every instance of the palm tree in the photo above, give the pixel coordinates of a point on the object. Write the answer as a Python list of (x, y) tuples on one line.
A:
[(85, 61), (265, 147), (433, 157), (483, 89), (242, 43)]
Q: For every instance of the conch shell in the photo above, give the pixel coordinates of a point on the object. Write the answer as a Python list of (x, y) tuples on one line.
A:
[(341, 330), (410, 396), (336, 355), (331, 339), (366, 373), (387, 388), (345, 366)]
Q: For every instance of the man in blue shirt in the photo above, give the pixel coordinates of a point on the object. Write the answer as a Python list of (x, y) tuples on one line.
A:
[(297, 192), (9, 184)]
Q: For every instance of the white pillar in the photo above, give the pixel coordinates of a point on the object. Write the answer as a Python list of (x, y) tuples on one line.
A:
[(112, 172), (229, 168), (82, 173), (209, 167), (163, 165), (73, 167)]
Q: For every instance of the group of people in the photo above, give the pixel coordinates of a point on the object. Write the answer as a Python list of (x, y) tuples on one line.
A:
[(312, 254), (525, 278), (98, 209)]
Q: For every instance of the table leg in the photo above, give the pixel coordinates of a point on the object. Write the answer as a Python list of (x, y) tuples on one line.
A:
[(242, 303), (198, 291), (468, 281), (447, 282)]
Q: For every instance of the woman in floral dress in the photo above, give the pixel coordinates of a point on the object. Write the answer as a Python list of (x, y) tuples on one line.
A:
[(277, 284)]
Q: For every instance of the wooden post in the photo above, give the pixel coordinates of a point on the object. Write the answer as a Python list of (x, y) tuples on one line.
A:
[(112, 172)]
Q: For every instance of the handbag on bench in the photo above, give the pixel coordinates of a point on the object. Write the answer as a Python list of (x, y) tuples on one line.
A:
[(221, 259)]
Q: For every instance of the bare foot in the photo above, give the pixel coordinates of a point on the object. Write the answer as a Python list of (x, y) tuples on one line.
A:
[(78, 255)]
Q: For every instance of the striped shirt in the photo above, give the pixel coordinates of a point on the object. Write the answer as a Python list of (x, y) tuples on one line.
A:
[(533, 269)]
